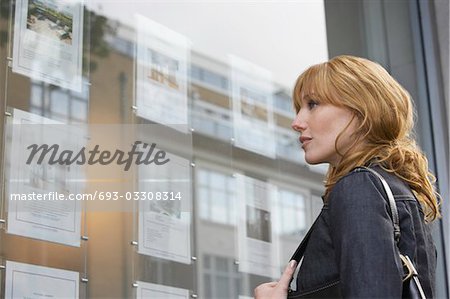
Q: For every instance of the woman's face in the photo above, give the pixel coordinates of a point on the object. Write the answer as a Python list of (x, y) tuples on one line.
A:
[(319, 124)]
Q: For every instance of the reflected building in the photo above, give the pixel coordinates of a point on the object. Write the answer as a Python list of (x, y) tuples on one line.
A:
[(217, 159)]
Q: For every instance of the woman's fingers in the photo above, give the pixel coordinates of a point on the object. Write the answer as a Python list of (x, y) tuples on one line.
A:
[(286, 278), (277, 289), (267, 285), (265, 290)]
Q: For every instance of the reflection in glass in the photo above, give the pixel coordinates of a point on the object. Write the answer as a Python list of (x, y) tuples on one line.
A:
[(292, 219), (208, 86), (220, 277), (216, 195), (59, 104)]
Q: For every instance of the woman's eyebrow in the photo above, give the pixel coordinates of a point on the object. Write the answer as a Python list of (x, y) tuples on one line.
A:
[(307, 96)]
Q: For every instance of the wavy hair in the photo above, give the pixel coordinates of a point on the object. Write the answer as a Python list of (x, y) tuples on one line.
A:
[(385, 118)]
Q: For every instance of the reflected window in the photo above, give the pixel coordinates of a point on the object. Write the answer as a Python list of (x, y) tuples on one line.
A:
[(208, 117), (211, 120), (215, 195), (209, 78), (292, 209), (121, 45), (158, 270), (59, 104), (283, 102), (221, 278), (288, 146)]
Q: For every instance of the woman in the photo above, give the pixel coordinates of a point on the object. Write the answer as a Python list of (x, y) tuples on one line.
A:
[(350, 113)]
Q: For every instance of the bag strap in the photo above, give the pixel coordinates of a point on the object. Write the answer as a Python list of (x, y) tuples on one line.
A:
[(298, 254), (392, 204), (412, 274)]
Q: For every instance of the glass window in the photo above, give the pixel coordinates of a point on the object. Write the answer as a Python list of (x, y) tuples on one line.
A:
[(200, 84), (216, 193), (222, 277), (292, 212)]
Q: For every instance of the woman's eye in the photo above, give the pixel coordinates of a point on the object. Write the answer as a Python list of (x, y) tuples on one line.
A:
[(312, 104)]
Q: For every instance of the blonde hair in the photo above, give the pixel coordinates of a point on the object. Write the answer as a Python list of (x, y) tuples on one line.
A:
[(384, 132)]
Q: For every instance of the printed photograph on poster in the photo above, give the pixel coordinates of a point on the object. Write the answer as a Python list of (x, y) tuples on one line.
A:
[(31, 281), (146, 290), (258, 243), (251, 93), (48, 41), (259, 225), (164, 221), (162, 59), (52, 220)]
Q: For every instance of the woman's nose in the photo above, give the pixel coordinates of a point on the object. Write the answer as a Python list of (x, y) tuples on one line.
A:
[(298, 124)]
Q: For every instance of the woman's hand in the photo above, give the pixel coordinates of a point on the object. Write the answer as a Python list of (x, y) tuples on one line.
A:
[(277, 290)]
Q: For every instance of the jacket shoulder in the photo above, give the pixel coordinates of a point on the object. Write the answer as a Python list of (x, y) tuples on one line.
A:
[(361, 177)]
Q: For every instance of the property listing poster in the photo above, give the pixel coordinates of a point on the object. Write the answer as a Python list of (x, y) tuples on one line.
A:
[(164, 216), (251, 93), (162, 59), (48, 41), (147, 290), (258, 244), (31, 281), (45, 219)]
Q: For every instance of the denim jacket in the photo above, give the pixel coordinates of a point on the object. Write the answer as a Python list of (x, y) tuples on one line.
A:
[(351, 252)]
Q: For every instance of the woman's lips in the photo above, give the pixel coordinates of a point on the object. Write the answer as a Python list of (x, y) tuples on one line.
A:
[(304, 140)]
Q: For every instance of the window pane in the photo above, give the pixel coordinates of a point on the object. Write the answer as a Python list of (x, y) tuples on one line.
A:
[(79, 109), (60, 102), (222, 287), (207, 262), (217, 181), (203, 203), (221, 264), (208, 286)]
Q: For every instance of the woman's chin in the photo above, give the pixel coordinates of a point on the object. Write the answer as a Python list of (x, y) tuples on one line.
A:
[(312, 160)]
